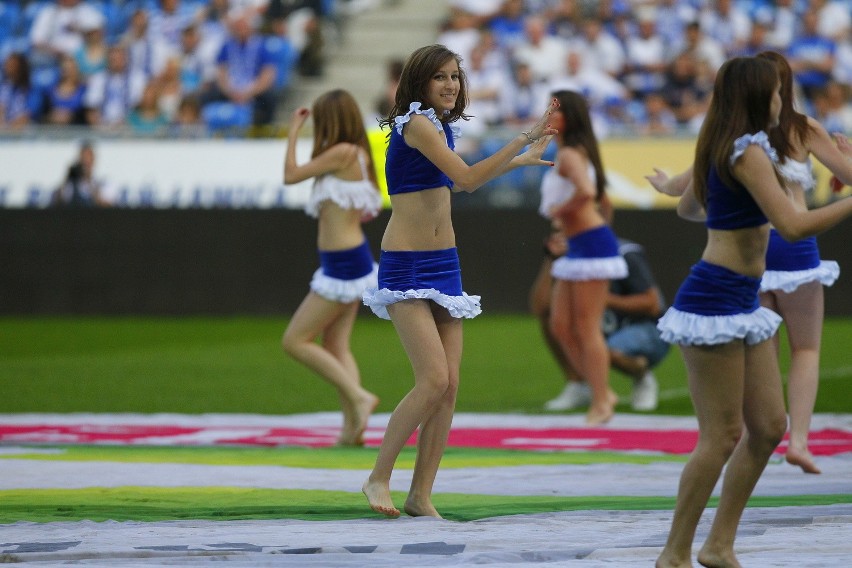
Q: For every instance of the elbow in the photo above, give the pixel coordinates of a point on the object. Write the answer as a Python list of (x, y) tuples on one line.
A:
[(790, 234)]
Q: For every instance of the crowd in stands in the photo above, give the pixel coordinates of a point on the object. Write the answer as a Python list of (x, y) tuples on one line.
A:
[(175, 67), (645, 66), (189, 67)]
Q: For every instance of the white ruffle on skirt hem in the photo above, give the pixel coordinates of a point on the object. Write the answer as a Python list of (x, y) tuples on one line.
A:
[(788, 280), (463, 306), (606, 268), (344, 291), (686, 328)]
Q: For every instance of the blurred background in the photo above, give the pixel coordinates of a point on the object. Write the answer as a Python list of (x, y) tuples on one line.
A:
[(142, 141)]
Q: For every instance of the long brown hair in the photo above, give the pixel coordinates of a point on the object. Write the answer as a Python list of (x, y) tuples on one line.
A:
[(337, 119), (578, 133), (742, 96), (790, 121), (414, 82)]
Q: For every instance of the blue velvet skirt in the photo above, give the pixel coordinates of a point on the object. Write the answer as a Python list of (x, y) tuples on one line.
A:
[(345, 274), (789, 265), (715, 305), (592, 255), (428, 275)]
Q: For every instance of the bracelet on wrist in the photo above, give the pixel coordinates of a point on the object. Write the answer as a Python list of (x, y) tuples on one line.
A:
[(530, 138)]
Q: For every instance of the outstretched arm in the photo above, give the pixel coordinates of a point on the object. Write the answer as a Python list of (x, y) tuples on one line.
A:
[(836, 155), (421, 134), (674, 186)]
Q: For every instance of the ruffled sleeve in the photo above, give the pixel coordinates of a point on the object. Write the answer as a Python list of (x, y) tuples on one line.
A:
[(429, 113), (759, 138)]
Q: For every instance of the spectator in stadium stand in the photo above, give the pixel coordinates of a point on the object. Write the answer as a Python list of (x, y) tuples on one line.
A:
[(842, 72), (188, 122), (832, 107), (811, 56), (727, 23), (645, 57), (20, 103), (168, 18), (757, 41), (686, 94), (147, 117), (672, 18), (57, 29), (146, 52), (519, 104), (706, 51), (460, 32), (601, 48), (834, 18), (92, 54), (544, 53), (114, 92), (783, 20), (64, 99), (245, 70), (508, 25)]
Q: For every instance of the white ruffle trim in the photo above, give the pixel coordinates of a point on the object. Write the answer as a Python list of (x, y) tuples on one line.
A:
[(344, 291), (414, 108), (463, 306), (685, 328), (608, 268), (788, 280), (759, 138), (797, 172), (359, 197)]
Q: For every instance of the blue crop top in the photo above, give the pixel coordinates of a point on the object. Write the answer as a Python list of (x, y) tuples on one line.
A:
[(730, 208), (406, 169)]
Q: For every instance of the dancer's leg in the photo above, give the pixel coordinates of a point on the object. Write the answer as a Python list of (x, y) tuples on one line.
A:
[(715, 375), (765, 423), (314, 317), (356, 412), (432, 439), (802, 311), (418, 332)]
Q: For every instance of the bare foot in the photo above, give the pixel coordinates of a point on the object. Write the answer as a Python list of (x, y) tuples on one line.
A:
[(378, 496), (718, 560), (666, 560), (363, 409), (356, 420), (602, 413), (420, 509), (803, 459)]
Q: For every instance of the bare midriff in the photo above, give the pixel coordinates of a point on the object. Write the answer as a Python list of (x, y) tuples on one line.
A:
[(420, 220)]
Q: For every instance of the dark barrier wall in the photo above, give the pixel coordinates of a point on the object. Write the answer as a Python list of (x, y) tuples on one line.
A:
[(253, 262)]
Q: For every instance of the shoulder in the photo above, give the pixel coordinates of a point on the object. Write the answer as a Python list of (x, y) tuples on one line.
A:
[(751, 144), (419, 116)]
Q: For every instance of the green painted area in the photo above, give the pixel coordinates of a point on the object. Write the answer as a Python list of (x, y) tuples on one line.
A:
[(231, 504), (323, 458)]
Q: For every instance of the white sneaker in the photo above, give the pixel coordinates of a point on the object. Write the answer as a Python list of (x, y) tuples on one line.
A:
[(645, 391), (574, 395)]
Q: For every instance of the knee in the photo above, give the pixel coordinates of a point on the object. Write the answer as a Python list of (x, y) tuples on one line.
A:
[(771, 431), (289, 343), (722, 443)]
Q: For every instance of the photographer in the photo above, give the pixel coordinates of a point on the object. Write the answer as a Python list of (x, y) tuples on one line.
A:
[(80, 189)]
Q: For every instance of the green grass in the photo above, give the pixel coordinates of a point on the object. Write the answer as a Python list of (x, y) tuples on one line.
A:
[(200, 365)]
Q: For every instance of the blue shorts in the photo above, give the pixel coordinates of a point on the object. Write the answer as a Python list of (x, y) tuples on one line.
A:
[(592, 255), (715, 305), (345, 274), (429, 275)]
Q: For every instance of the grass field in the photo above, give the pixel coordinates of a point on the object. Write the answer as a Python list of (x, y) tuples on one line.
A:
[(235, 365)]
